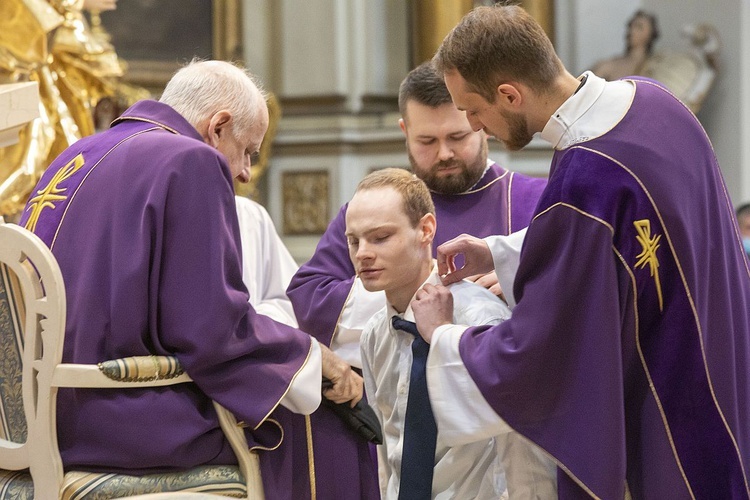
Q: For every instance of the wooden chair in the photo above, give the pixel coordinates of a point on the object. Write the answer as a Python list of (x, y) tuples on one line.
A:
[(32, 331)]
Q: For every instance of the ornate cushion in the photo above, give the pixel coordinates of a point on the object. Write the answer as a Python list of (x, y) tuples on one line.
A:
[(12, 418), (16, 485), (142, 368), (222, 480)]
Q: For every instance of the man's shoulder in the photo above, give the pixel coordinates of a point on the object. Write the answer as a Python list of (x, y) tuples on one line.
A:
[(474, 304), (517, 178)]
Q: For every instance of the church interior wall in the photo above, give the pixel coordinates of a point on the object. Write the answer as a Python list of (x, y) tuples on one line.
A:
[(723, 114), (336, 66)]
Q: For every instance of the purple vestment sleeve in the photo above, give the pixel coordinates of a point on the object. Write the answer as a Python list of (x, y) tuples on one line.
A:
[(569, 335), (320, 287), (200, 272)]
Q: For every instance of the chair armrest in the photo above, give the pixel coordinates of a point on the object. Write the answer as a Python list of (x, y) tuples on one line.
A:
[(133, 372)]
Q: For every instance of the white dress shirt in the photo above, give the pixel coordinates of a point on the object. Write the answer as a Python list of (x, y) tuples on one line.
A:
[(464, 468)]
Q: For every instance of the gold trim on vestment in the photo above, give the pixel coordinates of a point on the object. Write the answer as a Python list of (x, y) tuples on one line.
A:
[(281, 439), (141, 119), (310, 457), (73, 195), (510, 204), (648, 372), (291, 382), (52, 192)]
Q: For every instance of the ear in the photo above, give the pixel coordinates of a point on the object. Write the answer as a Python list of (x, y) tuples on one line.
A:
[(402, 125), (427, 228), (218, 124), (509, 94)]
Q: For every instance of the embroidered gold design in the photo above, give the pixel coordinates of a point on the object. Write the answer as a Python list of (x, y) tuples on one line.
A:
[(52, 192), (648, 256)]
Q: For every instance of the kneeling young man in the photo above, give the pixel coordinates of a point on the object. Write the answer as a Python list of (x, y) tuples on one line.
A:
[(390, 225)]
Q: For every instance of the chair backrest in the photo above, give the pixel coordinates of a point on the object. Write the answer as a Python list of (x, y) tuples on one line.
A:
[(32, 305), (12, 420), (32, 333)]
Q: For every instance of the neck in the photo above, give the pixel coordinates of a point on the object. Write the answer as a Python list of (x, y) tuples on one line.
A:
[(564, 86), (400, 298)]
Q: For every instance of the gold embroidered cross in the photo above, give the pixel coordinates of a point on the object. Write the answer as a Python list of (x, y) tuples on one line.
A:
[(52, 193), (648, 256)]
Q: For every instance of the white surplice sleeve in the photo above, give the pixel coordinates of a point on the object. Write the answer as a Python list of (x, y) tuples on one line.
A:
[(304, 393), (461, 412), (267, 265), (360, 306), (506, 252), (267, 268)]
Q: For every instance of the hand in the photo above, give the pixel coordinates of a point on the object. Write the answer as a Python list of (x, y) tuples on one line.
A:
[(99, 5), (476, 254), (489, 281), (347, 384), (432, 307)]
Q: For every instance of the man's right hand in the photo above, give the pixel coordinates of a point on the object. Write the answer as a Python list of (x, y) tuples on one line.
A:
[(347, 384), (432, 307), (476, 254)]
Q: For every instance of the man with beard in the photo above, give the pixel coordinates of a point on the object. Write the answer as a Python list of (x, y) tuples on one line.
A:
[(330, 302), (635, 376)]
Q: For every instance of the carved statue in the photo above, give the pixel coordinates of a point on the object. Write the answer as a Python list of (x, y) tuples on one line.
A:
[(640, 37), (688, 74)]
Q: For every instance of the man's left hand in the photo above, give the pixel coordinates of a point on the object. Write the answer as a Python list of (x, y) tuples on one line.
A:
[(347, 384), (489, 281)]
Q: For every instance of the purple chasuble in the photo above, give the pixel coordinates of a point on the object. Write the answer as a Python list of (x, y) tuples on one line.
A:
[(141, 219), (320, 288), (626, 357)]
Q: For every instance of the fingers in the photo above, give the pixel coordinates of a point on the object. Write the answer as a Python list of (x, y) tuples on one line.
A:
[(433, 307), (447, 252), (445, 263), (454, 276), (465, 245), (347, 388), (487, 280), (496, 290)]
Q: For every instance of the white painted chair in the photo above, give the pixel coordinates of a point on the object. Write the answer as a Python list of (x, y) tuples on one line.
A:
[(32, 330)]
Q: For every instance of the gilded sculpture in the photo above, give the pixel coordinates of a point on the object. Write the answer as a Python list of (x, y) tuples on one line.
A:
[(50, 42)]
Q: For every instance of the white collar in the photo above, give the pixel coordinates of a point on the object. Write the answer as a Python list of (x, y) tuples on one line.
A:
[(590, 112)]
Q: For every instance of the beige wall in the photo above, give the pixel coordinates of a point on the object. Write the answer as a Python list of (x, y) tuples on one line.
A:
[(336, 64)]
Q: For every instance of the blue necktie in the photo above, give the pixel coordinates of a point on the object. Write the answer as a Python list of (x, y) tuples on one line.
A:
[(420, 430)]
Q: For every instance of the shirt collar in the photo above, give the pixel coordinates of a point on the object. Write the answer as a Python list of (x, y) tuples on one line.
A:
[(602, 104)]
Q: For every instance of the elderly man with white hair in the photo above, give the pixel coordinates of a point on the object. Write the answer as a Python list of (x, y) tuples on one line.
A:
[(141, 219)]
